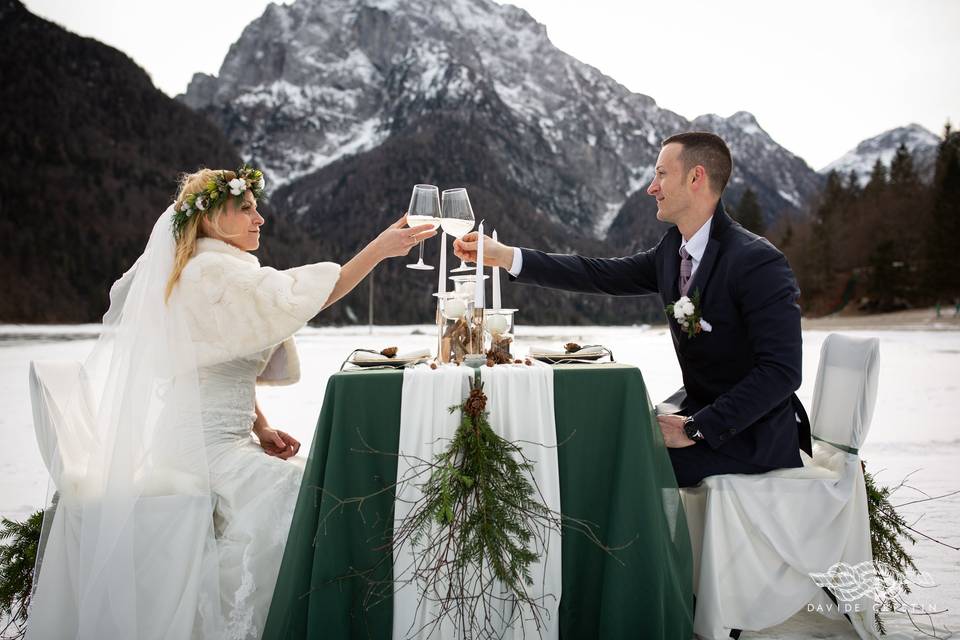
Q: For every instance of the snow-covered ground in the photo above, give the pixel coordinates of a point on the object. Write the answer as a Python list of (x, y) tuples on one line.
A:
[(915, 431)]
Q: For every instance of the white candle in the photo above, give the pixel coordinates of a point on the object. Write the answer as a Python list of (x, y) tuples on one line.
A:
[(478, 301), (442, 285), (496, 280)]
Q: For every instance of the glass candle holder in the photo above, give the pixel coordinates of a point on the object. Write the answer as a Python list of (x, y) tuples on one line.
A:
[(476, 336), (453, 329), (498, 324), (466, 285)]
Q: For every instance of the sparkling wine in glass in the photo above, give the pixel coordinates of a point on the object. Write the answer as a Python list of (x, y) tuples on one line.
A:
[(457, 220), (424, 209)]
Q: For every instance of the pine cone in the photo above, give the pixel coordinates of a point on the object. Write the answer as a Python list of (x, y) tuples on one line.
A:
[(475, 403), (570, 347), (389, 352)]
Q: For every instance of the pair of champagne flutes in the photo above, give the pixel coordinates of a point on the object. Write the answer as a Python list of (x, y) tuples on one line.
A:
[(450, 211)]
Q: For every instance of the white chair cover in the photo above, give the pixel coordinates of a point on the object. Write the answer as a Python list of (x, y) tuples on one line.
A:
[(171, 514), (64, 433), (758, 538)]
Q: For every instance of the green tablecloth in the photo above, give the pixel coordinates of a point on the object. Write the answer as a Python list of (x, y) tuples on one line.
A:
[(614, 472)]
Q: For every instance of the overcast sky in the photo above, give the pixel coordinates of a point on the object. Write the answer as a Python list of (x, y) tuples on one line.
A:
[(819, 75)]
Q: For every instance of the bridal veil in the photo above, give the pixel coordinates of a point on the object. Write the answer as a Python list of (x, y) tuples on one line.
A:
[(128, 547)]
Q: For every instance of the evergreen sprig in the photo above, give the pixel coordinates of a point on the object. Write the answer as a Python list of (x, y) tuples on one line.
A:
[(476, 525), (17, 559), (887, 529)]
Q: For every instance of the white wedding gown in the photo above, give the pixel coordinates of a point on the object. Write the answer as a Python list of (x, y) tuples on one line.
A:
[(255, 494), (140, 544)]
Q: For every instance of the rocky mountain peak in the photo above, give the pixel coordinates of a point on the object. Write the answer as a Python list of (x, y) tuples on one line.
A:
[(317, 80)]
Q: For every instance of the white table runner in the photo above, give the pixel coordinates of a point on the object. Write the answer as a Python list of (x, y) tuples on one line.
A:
[(520, 403)]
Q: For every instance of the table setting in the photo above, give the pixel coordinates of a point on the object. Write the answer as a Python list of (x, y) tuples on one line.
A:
[(472, 492)]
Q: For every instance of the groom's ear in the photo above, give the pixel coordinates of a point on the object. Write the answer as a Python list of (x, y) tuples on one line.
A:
[(697, 177)]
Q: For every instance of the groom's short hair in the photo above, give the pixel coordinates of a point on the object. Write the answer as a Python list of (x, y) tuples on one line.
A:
[(708, 150)]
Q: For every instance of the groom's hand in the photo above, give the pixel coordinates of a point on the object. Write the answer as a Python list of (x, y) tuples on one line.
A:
[(674, 436), (495, 254)]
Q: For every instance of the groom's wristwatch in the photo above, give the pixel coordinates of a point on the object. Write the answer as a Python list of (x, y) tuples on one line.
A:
[(690, 428)]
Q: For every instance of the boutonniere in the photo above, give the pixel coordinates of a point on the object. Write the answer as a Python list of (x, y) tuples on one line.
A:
[(686, 311)]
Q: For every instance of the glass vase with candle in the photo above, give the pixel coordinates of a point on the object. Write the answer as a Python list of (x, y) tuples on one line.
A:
[(476, 337), (498, 325), (466, 285), (453, 329)]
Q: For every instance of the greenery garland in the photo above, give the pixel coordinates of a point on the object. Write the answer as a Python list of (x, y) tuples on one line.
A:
[(479, 516)]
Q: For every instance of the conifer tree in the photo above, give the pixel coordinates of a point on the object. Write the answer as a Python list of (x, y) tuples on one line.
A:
[(878, 179), (853, 182), (824, 225), (885, 274), (943, 274), (902, 172), (748, 213)]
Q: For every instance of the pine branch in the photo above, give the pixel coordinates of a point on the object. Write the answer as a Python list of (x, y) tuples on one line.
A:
[(17, 560), (887, 529)]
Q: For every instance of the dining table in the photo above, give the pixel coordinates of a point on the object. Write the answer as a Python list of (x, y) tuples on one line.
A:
[(632, 578)]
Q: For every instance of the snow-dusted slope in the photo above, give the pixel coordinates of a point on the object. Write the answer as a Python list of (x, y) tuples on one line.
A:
[(921, 143)]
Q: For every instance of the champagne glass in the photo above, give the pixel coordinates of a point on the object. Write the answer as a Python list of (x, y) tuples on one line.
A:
[(457, 218), (424, 209)]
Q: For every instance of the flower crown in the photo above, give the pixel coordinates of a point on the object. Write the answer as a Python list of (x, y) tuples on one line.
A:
[(217, 191)]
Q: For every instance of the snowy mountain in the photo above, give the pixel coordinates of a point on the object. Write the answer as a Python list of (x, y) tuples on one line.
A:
[(921, 142), (316, 81), (764, 164)]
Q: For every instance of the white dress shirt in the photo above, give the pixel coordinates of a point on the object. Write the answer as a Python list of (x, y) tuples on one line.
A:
[(695, 246), (514, 269)]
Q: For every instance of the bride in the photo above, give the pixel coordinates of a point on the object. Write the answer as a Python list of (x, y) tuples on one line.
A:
[(170, 520)]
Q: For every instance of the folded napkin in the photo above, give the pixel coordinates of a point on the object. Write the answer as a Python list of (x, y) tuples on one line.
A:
[(547, 352), (363, 356)]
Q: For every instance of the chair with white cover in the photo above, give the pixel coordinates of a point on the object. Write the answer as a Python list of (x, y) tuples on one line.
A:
[(62, 421), (169, 513), (759, 541)]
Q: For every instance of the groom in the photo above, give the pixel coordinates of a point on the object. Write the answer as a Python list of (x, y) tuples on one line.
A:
[(736, 411)]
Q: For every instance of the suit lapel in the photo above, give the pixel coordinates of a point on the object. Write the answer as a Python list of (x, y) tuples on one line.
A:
[(705, 267), (720, 223)]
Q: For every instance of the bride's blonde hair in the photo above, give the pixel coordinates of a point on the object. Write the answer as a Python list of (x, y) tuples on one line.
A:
[(187, 241)]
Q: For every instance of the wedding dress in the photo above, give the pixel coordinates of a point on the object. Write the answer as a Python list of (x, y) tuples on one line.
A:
[(169, 520), (254, 494)]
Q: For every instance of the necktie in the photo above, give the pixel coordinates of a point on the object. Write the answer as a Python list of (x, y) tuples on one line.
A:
[(686, 268)]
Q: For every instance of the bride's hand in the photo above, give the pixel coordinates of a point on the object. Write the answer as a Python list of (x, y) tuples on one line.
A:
[(277, 443), (397, 239)]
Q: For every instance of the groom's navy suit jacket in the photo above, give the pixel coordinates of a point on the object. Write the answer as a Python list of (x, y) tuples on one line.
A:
[(739, 379)]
